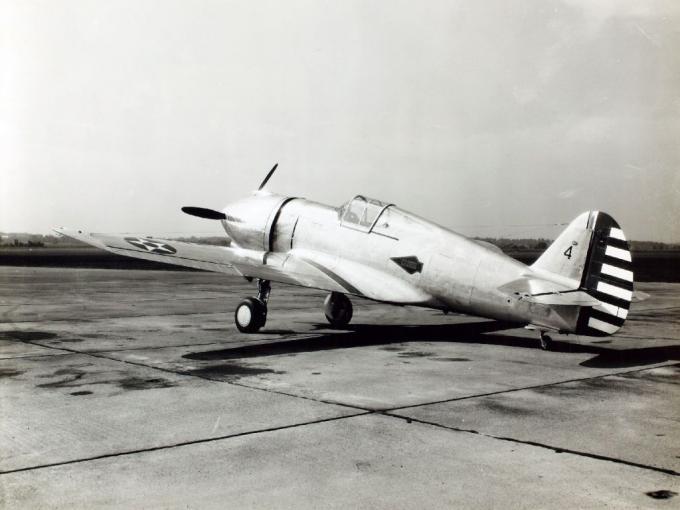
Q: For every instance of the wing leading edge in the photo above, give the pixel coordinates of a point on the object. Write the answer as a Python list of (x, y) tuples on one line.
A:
[(307, 269)]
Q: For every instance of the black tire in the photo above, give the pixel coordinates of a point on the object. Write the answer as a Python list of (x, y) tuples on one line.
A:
[(338, 309), (546, 343), (250, 315)]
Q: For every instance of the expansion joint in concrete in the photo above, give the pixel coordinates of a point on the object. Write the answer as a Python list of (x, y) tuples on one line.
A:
[(179, 444), (534, 387), (555, 449)]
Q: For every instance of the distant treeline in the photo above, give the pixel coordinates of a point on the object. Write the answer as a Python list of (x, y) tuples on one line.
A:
[(517, 244), (505, 244), (52, 241), (510, 245)]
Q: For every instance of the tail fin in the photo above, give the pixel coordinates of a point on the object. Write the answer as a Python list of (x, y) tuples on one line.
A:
[(567, 255), (593, 253)]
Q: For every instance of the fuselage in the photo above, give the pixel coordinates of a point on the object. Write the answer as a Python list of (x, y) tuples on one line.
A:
[(456, 273)]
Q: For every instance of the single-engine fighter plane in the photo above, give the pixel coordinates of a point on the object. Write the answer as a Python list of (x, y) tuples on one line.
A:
[(582, 284)]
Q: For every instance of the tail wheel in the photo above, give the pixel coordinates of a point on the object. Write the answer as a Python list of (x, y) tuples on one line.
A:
[(338, 309), (250, 315)]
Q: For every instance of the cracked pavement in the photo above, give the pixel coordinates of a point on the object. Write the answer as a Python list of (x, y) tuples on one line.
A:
[(133, 388)]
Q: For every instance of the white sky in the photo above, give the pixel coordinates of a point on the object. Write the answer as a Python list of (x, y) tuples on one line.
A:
[(114, 114)]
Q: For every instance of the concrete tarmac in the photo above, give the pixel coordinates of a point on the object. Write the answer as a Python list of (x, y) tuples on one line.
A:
[(134, 389)]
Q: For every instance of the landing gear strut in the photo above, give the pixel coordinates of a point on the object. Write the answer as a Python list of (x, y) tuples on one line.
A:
[(251, 313), (338, 309), (546, 341)]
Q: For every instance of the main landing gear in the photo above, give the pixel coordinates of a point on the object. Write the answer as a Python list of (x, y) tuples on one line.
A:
[(251, 313), (338, 309), (546, 341)]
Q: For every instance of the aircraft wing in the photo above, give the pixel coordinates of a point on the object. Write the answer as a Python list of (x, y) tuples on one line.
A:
[(304, 268), (207, 257), (362, 280)]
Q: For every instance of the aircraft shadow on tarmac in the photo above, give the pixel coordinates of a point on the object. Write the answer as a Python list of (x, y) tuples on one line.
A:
[(361, 335)]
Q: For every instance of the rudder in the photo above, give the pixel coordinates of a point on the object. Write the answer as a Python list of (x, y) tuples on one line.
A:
[(608, 277), (592, 254)]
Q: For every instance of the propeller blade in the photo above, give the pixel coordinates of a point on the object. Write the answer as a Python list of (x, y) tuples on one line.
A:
[(269, 175), (201, 212)]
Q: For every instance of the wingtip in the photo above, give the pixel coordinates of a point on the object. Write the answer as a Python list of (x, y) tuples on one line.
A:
[(69, 232)]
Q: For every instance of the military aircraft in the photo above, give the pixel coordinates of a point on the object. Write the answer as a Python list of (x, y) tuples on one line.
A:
[(582, 284)]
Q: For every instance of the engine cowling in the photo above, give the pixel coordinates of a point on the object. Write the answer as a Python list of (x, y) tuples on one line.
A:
[(249, 221)]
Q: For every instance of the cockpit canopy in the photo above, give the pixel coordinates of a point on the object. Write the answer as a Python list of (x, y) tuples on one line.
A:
[(361, 212)]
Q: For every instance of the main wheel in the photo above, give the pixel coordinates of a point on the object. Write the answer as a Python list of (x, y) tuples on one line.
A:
[(250, 315), (546, 342), (338, 309)]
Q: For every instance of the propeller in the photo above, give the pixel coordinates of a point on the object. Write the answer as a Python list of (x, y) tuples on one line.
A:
[(211, 214), (202, 212), (269, 175)]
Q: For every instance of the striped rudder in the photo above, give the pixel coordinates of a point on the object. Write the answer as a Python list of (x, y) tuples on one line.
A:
[(607, 276)]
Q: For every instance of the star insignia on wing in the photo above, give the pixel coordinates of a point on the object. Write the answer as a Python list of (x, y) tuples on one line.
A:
[(151, 246)]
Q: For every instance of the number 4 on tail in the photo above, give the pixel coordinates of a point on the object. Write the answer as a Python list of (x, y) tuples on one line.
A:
[(567, 252)]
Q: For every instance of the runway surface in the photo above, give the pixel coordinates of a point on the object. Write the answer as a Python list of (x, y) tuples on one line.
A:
[(134, 389)]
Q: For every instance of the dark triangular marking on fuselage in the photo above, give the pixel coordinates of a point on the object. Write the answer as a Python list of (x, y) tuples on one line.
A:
[(410, 264)]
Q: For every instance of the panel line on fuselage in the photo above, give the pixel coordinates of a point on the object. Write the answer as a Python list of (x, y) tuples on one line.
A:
[(337, 279)]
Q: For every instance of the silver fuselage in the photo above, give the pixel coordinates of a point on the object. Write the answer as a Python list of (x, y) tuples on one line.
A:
[(457, 274)]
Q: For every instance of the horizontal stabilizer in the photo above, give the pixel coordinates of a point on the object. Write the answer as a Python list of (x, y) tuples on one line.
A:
[(531, 285), (547, 292), (638, 296), (571, 298)]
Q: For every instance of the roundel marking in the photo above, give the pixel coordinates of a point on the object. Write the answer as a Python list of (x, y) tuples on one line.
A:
[(151, 246)]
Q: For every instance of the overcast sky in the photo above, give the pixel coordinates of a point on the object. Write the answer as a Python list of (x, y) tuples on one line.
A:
[(480, 115)]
